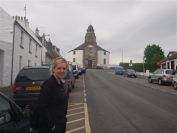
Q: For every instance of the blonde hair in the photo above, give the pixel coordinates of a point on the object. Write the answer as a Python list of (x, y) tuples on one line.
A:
[(56, 62)]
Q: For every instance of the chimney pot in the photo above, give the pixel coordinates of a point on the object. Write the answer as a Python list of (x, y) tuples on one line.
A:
[(21, 18)]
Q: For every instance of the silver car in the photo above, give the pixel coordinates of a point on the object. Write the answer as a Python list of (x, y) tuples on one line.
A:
[(162, 76), (174, 82)]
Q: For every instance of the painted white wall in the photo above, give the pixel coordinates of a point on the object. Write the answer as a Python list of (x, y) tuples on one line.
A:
[(18, 51), (78, 57), (6, 42), (101, 58)]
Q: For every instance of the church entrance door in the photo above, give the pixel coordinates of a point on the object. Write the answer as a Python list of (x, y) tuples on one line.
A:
[(89, 64)]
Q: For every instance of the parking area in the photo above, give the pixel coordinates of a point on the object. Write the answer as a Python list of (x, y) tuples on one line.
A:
[(143, 80), (77, 115)]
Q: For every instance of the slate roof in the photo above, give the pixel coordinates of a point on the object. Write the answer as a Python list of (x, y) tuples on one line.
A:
[(174, 56), (81, 47)]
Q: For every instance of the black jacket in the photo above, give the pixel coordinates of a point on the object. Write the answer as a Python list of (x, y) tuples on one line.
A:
[(52, 103)]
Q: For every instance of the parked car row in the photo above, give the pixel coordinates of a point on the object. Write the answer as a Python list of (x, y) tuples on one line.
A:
[(161, 76)]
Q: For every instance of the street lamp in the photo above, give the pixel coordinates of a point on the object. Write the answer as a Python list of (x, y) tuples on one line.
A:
[(122, 54)]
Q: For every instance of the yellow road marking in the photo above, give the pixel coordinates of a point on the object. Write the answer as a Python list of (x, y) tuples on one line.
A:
[(75, 108), (75, 114), (76, 129), (87, 125), (75, 120), (73, 105)]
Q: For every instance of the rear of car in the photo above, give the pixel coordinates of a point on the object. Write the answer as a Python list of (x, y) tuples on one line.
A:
[(130, 73), (75, 70), (27, 85), (119, 70), (162, 76)]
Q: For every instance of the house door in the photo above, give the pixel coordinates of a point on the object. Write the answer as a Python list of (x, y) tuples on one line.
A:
[(89, 64)]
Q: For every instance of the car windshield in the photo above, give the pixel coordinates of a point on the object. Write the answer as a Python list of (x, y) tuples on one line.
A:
[(33, 75), (169, 72), (120, 68), (131, 71)]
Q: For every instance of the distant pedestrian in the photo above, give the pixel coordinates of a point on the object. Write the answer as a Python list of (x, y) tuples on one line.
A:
[(53, 102)]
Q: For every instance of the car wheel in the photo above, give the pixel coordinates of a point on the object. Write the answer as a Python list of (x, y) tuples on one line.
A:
[(73, 86), (160, 82), (135, 76), (175, 86), (150, 80)]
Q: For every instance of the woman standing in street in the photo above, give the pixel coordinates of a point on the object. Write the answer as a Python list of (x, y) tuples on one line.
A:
[(53, 102)]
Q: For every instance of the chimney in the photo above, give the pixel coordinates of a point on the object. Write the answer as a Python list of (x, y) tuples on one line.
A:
[(37, 32)]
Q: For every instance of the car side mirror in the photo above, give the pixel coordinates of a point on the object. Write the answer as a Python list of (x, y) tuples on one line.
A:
[(25, 113)]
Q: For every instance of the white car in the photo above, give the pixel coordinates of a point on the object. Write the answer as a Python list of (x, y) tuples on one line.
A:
[(174, 82)]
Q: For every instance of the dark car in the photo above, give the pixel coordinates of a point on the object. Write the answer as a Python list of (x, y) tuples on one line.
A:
[(28, 82), (70, 77), (83, 70), (130, 73), (80, 70), (162, 76), (13, 119)]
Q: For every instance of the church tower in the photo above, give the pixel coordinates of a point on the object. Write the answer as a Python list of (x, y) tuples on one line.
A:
[(90, 49)]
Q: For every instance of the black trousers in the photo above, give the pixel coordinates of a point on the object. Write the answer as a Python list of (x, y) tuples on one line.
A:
[(59, 128)]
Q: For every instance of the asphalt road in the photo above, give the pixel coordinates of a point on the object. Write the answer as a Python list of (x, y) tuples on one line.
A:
[(118, 105)]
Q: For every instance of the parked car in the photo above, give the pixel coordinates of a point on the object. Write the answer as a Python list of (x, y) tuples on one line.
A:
[(13, 119), (75, 69), (130, 73), (80, 70), (28, 82), (70, 77), (83, 70), (162, 76), (174, 81), (119, 70)]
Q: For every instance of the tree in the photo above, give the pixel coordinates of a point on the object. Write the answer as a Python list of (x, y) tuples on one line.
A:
[(153, 53)]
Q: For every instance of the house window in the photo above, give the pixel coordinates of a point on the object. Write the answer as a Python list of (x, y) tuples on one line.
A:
[(20, 62), (35, 64), (74, 60), (21, 40), (29, 62), (36, 51), (104, 52), (30, 45), (74, 52), (104, 61)]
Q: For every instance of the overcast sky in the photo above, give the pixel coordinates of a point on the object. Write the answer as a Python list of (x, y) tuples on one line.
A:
[(129, 25)]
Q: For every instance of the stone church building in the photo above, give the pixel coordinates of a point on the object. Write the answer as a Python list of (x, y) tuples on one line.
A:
[(89, 54)]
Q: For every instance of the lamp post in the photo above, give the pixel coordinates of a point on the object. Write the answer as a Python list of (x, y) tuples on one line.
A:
[(122, 54)]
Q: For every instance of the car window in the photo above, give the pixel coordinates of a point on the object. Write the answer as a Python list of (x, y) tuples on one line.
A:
[(175, 75), (74, 67), (6, 113), (36, 74), (160, 71), (169, 72)]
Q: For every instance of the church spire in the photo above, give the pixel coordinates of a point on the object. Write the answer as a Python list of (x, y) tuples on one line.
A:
[(90, 35), (90, 29)]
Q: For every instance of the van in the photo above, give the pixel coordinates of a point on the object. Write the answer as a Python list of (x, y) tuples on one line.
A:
[(75, 69), (119, 70)]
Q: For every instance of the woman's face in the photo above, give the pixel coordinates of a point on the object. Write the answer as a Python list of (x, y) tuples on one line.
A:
[(60, 70)]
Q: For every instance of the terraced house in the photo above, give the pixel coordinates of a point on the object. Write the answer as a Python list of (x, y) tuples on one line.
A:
[(19, 47)]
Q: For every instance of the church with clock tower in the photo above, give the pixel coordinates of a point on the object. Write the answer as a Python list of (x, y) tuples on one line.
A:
[(89, 54)]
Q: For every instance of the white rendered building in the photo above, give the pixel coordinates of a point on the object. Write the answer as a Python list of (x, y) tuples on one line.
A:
[(19, 47), (89, 54)]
